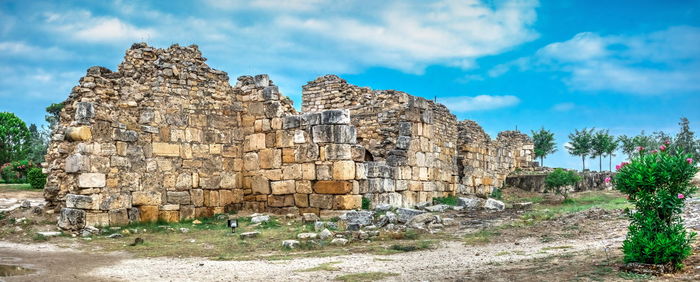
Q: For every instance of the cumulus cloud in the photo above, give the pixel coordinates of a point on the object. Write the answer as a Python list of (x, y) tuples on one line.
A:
[(661, 62), (83, 26), (479, 103)]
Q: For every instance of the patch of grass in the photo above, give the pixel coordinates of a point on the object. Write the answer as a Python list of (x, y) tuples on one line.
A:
[(366, 203), (422, 245), (365, 276), (497, 194), (556, 248), (634, 276), (21, 187), (449, 200), (581, 202), (272, 223), (40, 238), (382, 259), (502, 253), (323, 267), (480, 237)]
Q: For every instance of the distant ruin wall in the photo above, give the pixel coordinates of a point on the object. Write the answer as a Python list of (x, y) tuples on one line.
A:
[(167, 137), (536, 182)]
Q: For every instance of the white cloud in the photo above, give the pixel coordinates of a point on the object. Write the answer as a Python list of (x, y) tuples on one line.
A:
[(23, 50), (563, 107), (662, 62), (83, 26), (461, 104)]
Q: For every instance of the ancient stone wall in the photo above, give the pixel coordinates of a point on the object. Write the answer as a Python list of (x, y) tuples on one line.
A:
[(167, 137), (535, 182)]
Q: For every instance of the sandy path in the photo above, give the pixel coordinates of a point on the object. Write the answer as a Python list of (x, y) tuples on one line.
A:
[(451, 260)]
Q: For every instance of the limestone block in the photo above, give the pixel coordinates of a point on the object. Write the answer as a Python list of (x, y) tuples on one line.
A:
[(118, 217), (279, 201), (115, 201), (197, 196), (299, 137), (91, 180), (84, 112), (182, 198), (283, 187), (186, 212), (169, 216), (308, 171), (148, 198), (184, 181), (251, 161), (193, 135), (321, 201), (347, 202), (96, 219), (270, 158), (335, 117), (261, 185), (81, 133), (344, 134), (288, 155), (304, 187), (360, 171), (344, 170), (379, 185), (332, 187), (148, 213), (81, 201), (165, 149), (323, 172), (254, 142), (292, 172), (77, 163), (307, 152), (124, 135), (337, 152), (228, 180), (71, 219), (226, 197)]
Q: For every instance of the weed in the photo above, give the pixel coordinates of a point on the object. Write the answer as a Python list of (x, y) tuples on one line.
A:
[(497, 194), (40, 238), (366, 203), (323, 267), (502, 253), (365, 276), (480, 237), (556, 248)]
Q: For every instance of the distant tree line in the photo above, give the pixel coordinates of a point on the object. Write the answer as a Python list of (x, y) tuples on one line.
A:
[(592, 143)]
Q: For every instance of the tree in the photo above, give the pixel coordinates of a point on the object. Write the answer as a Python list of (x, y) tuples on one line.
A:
[(630, 145), (610, 149), (580, 143), (38, 144), (685, 142), (14, 138), (599, 142), (544, 144), (54, 114), (559, 179)]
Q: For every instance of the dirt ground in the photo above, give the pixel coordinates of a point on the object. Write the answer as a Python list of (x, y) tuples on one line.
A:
[(544, 243)]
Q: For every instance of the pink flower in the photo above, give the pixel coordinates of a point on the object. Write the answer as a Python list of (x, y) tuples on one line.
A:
[(667, 142), (689, 160), (607, 179), (640, 148), (681, 196), (654, 151), (662, 148), (618, 167)]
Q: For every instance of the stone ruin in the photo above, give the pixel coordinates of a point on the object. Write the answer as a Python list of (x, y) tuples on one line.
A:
[(167, 137)]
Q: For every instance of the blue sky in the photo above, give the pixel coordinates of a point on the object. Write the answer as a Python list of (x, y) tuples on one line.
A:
[(625, 66)]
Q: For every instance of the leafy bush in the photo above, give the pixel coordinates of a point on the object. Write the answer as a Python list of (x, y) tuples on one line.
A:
[(36, 178), (497, 194), (366, 203), (15, 172), (449, 200), (657, 184), (558, 179)]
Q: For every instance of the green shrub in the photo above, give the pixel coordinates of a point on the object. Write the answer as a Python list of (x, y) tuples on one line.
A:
[(449, 200), (558, 179), (497, 194), (36, 178), (657, 184), (366, 203)]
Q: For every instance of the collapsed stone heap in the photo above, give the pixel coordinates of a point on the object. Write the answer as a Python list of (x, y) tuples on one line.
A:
[(167, 137)]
